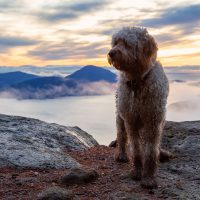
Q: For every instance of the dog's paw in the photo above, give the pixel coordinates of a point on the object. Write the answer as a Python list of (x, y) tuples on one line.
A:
[(121, 157), (136, 175), (149, 183), (113, 144), (165, 156)]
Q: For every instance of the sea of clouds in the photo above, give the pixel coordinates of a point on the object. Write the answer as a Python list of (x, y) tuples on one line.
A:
[(96, 114)]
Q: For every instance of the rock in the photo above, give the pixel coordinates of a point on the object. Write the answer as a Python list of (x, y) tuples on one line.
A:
[(26, 181), (31, 143), (79, 176), (55, 193), (179, 178), (113, 143)]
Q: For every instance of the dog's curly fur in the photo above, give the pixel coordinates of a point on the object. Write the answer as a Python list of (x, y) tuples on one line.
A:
[(141, 100)]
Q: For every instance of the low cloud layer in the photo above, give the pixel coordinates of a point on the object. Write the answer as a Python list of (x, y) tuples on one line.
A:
[(184, 106), (96, 114), (86, 89), (184, 110), (183, 101)]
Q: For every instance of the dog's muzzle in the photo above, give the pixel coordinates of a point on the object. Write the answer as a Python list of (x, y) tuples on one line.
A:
[(112, 56)]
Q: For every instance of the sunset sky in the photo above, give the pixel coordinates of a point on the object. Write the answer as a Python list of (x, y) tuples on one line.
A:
[(70, 32)]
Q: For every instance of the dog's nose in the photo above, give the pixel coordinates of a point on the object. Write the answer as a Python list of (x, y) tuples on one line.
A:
[(112, 53)]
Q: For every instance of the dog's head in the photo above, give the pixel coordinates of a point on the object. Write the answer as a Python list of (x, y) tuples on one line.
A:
[(133, 49)]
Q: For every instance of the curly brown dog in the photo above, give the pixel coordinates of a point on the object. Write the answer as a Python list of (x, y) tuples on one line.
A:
[(141, 101)]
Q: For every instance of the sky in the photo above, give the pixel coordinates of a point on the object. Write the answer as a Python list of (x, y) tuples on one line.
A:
[(71, 32)]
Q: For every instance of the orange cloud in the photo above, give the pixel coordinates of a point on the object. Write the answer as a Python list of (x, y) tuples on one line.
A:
[(79, 33)]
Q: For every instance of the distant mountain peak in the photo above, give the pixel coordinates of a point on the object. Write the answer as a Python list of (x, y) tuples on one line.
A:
[(89, 66), (91, 73)]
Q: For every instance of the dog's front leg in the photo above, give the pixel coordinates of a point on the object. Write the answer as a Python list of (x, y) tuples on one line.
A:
[(135, 147), (121, 155), (152, 135)]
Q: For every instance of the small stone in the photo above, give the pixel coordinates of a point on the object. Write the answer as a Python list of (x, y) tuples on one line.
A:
[(18, 183), (55, 193), (14, 176), (36, 173), (79, 176), (151, 192)]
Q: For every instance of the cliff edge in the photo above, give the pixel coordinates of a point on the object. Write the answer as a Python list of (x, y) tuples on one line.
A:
[(35, 156)]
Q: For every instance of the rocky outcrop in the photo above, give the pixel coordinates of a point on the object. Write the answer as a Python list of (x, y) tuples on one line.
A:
[(31, 143), (98, 176), (179, 178)]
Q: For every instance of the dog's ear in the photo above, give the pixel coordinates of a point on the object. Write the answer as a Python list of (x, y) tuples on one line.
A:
[(147, 52), (150, 48)]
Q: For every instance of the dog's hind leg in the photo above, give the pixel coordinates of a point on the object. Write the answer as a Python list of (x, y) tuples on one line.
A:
[(121, 155), (165, 156)]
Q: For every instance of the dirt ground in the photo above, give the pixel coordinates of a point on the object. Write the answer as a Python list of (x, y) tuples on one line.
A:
[(27, 184)]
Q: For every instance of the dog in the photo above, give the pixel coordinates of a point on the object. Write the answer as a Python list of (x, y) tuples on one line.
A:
[(141, 99)]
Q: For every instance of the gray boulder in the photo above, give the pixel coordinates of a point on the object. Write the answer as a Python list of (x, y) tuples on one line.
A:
[(31, 143), (180, 178)]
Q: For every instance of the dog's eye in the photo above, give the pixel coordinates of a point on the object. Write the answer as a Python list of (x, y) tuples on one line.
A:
[(115, 43), (126, 45), (119, 41)]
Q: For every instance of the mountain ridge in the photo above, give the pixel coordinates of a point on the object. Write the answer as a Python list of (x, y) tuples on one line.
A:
[(10, 78), (89, 80)]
